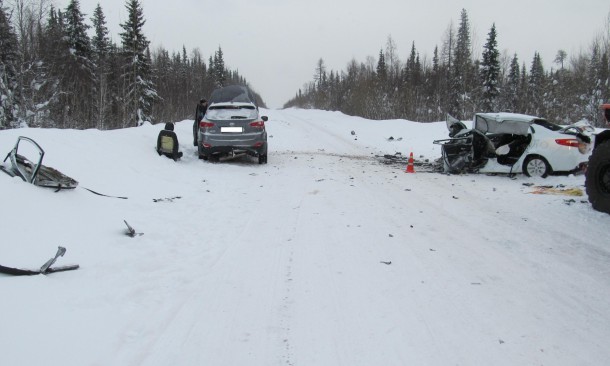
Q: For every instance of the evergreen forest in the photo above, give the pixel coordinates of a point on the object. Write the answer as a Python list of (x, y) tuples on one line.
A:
[(53, 74), (60, 70), (458, 82)]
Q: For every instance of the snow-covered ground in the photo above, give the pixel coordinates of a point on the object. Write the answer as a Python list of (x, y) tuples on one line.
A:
[(324, 256)]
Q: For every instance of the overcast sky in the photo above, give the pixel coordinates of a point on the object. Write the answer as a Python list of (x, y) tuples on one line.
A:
[(275, 44)]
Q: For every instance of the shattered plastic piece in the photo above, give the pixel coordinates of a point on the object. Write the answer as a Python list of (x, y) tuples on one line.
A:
[(131, 232)]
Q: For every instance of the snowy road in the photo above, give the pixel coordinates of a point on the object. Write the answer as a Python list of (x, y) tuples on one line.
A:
[(324, 256)]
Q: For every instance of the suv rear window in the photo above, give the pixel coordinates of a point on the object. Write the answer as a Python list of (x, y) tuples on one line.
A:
[(232, 94)]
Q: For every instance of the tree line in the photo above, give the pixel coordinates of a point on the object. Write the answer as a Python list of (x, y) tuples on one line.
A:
[(53, 74), (458, 83)]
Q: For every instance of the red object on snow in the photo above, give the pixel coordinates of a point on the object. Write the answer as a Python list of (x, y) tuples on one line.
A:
[(410, 167)]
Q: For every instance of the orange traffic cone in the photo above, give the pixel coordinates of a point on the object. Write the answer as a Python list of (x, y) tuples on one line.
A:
[(410, 168)]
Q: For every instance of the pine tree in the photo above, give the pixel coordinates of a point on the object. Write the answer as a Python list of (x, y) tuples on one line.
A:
[(200, 75), (490, 71), (411, 67), (219, 68), (78, 89), (419, 92), (100, 42), (100, 45), (462, 49), (139, 91), (379, 98), (461, 70), (9, 98), (319, 73), (382, 70), (511, 94), (76, 31), (536, 87), (434, 90), (523, 89), (411, 85), (46, 99)]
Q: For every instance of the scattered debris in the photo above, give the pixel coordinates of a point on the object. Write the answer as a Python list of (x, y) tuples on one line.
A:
[(46, 268), (391, 138), (170, 199), (423, 165), (60, 253), (104, 195), (558, 190), (131, 231)]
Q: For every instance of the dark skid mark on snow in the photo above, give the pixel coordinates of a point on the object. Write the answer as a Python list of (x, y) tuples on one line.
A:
[(324, 153)]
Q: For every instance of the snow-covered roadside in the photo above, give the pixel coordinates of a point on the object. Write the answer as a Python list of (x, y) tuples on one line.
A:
[(286, 263)]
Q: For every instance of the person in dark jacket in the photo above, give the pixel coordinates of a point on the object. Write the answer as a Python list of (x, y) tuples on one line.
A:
[(202, 107)]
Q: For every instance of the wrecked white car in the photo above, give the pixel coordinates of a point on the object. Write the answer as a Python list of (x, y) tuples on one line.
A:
[(25, 161), (514, 143)]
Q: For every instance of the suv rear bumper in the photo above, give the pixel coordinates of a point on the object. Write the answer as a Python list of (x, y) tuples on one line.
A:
[(255, 150)]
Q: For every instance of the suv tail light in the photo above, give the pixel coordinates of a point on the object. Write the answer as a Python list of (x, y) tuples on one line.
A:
[(206, 124), (257, 124)]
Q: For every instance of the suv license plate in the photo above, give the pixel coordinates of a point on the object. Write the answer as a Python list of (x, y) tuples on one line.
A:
[(232, 129)]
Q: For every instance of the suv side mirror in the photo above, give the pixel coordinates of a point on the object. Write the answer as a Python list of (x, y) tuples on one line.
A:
[(264, 118)]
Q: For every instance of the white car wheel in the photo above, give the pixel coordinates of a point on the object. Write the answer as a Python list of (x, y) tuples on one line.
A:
[(536, 166)]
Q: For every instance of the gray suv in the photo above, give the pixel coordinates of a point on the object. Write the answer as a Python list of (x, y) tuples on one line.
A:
[(232, 126)]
